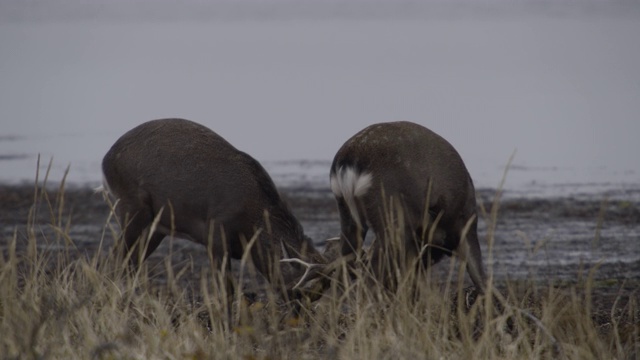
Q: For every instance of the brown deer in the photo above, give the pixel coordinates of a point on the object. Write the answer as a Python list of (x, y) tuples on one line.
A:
[(409, 186), (177, 177)]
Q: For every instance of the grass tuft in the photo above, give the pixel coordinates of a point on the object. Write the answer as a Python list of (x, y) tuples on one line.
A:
[(55, 303)]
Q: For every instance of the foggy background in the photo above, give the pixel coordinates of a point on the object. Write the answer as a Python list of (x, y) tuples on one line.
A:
[(289, 82)]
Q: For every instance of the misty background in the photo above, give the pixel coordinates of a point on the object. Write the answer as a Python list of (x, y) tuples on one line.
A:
[(289, 82)]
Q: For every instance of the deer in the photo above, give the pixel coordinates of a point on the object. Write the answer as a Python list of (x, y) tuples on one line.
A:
[(411, 188), (175, 177)]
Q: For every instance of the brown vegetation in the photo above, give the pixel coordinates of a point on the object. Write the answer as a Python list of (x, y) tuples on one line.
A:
[(63, 295)]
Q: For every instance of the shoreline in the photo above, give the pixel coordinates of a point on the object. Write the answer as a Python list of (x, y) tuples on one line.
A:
[(608, 285), (547, 240)]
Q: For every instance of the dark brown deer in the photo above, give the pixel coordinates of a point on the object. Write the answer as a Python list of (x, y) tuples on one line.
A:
[(409, 186), (199, 187)]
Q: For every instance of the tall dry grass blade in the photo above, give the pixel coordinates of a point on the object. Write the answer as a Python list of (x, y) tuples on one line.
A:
[(492, 221), (44, 193), (426, 219), (33, 210), (244, 260)]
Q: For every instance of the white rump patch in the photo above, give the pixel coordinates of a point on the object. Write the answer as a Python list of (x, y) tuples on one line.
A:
[(349, 184), (104, 188)]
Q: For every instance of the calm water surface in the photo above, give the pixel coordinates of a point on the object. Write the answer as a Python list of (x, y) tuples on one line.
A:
[(290, 83)]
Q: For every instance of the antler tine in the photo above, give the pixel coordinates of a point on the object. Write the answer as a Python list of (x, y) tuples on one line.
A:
[(325, 269), (309, 267)]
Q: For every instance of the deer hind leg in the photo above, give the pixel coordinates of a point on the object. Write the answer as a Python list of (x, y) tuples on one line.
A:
[(138, 242), (395, 249), (353, 229)]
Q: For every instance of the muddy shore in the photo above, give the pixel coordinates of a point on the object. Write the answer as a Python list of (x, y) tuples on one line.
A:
[(555, 241)]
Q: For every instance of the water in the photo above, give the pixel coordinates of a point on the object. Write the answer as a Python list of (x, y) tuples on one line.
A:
[(289, 83)]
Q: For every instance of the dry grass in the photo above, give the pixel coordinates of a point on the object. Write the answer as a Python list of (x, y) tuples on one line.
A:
[(55, 304)]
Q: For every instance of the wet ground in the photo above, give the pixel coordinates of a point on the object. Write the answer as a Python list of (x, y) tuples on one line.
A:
[(548, 241)]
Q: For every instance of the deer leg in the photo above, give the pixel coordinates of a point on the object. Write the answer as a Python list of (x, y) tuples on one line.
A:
[(469, 252), (394, 252), (220, 250), (266, 261), (353, 230), (138, 244), (474, 263)]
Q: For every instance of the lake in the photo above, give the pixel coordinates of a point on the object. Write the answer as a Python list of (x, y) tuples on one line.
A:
[(289, 82)]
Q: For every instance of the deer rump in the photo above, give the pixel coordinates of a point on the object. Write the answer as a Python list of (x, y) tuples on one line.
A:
[(383, 177)]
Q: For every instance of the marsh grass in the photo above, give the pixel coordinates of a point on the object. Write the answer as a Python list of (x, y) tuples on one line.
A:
[(59, 303)]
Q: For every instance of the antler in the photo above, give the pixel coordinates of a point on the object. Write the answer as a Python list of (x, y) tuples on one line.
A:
[(309, 268)]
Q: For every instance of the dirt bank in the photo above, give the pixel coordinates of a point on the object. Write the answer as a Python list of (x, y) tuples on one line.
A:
[(537, 241)]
